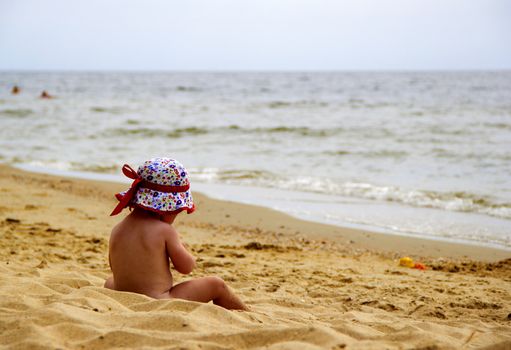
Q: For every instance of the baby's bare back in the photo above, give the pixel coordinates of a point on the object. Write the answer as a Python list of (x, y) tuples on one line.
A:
[(138, 256)]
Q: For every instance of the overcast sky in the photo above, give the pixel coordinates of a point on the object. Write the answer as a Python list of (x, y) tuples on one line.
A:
[(255, 34)]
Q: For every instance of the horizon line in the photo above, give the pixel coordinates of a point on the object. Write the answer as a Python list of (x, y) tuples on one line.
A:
[(423, 70)]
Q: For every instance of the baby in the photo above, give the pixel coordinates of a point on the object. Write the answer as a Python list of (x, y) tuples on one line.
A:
[(143, 242)]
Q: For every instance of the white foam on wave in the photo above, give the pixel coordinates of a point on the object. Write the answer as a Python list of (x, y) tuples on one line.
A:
[(451, 201)]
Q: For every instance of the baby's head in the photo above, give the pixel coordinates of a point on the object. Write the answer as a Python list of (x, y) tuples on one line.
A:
[(161, 185)]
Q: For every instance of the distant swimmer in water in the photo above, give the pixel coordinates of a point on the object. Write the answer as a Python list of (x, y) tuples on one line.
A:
[(45, 94), (15, 90)]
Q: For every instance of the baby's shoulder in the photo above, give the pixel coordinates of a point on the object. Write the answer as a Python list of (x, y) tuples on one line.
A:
[(156, 228), (168, 231)]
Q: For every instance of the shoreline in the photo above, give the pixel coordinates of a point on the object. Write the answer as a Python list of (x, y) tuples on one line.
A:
[(253, 217), (361, 214)]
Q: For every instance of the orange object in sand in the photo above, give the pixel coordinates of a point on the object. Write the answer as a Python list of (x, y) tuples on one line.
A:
[(419, 266), (408, 262)]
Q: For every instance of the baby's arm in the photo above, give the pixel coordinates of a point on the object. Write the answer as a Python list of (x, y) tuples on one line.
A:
[(183, 261)]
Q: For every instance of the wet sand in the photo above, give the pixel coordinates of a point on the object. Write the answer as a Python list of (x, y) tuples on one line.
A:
[(309, 285)]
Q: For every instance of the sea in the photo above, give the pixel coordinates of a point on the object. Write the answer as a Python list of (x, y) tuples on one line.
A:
[(423, 154)]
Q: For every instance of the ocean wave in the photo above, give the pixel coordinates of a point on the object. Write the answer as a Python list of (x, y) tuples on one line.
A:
[(384, 153), (19, 113), (191, 131), (460, 155), (95, 168), (295, 104), (452, 201), (302, 131), (338, 153), (281, 129), (498, 126), (111, 110), (187, 88), (212, 174), (60, 165), (449, 131), (148, 132)]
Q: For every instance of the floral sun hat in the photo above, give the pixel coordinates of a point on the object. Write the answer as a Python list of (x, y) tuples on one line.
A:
[(160, 185)]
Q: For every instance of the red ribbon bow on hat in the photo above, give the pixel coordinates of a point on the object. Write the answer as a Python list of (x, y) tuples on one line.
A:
[(124, 200)]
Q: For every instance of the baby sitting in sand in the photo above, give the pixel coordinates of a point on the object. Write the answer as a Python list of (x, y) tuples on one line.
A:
[(143, 242)]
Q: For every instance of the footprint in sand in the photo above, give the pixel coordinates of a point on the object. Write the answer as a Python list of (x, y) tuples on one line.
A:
[(84, 216), (272, 288), (12, 221)]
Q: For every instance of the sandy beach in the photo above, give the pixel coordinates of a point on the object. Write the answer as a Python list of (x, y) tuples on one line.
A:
[(309, 286)]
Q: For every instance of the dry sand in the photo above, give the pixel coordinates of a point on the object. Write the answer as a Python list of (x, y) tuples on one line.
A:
[(309, 286)]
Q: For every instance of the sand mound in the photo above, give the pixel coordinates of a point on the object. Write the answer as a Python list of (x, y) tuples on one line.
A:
[(52, 308)]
